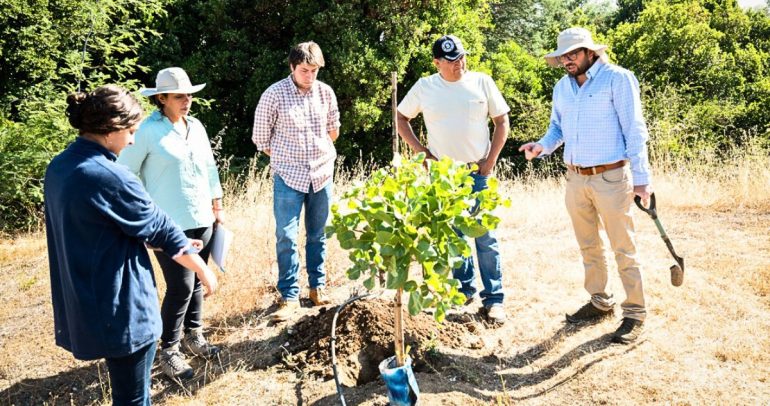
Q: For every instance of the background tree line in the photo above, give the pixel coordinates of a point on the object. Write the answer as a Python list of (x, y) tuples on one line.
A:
[(703, 65)]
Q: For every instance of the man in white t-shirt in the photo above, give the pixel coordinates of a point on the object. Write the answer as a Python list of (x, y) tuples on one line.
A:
[(456, 105)]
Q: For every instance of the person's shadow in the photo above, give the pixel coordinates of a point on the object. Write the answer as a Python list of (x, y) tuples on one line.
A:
[(539, 350), (80, 386), (595, 346), (89, 384), (486, 371)]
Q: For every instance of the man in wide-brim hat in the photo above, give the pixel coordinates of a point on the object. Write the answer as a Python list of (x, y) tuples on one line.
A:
[(571, 40), (597, 115)]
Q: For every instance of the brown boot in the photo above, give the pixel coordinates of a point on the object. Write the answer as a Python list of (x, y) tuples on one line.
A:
[(287, 309), (318, 297), (628, 332)]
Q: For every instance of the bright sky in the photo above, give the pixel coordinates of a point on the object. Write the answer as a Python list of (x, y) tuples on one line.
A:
[(752, 3), (742, 3)]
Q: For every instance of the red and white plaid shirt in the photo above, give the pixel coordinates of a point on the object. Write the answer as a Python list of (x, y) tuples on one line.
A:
[(295, 128)]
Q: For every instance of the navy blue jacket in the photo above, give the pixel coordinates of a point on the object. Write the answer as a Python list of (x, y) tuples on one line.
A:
[(98, 217)]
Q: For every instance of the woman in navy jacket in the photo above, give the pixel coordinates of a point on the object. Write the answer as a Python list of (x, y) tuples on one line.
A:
[(98, 220)]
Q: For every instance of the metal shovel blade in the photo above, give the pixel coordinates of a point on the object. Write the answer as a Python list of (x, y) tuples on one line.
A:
[(677, 275), (677, 270)]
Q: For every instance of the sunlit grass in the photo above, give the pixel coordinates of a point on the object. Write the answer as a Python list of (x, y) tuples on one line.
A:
[(705, 342)]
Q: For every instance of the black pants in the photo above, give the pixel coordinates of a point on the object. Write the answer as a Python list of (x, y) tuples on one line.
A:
[(183, 304)]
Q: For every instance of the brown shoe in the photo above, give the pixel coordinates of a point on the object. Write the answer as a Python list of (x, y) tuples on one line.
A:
[(286, 309), (318, 297)]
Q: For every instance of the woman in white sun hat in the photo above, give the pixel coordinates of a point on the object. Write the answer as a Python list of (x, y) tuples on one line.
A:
[(172, 155)]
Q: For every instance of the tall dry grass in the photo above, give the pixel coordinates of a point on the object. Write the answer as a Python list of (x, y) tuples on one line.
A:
[(705, 342)]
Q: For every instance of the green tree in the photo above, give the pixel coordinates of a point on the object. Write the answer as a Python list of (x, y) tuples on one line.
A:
[(534, 24), (707, 57), (41, 49), (402, 215), (675, 44), (41, 44), (526, 83), (240, 47)]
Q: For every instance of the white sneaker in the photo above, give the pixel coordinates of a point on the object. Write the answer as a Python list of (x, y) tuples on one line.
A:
[(496, 313)]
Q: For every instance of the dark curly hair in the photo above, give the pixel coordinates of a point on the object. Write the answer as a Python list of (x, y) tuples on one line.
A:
[(106, 109)]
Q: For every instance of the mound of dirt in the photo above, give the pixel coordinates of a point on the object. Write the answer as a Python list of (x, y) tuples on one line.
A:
[(364, 337)]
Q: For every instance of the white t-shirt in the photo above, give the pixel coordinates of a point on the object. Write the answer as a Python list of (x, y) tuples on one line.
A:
[(456, 114)]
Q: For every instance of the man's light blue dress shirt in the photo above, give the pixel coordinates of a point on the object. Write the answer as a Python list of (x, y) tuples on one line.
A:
[(600, 122)]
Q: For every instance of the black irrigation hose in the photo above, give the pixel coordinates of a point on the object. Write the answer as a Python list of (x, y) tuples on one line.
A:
[(334, 339)]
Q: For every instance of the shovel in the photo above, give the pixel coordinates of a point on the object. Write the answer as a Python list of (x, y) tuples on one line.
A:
[(677, 270)]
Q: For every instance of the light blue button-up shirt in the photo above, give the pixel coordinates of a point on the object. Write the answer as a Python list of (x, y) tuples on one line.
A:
[(600, 122), (177, 169)]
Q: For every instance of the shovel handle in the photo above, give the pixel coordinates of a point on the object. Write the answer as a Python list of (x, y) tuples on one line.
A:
[(649, 210)]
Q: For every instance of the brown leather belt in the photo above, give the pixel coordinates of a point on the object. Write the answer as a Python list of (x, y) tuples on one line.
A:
[(595, 170)]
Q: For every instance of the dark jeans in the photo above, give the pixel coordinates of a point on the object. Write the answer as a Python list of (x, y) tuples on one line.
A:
[(488, 254), (130, 377), (183, 304)]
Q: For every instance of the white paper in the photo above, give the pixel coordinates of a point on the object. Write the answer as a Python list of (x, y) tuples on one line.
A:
[(220, 245)]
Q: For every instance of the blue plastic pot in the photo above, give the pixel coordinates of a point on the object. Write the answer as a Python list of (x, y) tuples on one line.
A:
[(402, 387)]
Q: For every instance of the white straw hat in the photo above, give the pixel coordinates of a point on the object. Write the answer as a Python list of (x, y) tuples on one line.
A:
[(571, 39), (172, 80)]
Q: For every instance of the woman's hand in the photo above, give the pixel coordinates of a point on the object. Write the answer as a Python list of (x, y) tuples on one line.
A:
[(197, 244), (219, 210), (207, 277), (219, 215)]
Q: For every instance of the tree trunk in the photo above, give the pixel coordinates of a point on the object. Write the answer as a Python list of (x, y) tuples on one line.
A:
[(399, 329), (394, 107)]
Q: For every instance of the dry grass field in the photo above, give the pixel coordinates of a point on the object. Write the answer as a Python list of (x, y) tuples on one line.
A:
[(705, 342)]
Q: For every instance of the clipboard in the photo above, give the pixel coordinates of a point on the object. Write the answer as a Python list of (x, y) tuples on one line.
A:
[(220, 245)]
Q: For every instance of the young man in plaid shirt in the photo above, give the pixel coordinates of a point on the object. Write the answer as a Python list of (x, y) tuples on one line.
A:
[(296, 123)]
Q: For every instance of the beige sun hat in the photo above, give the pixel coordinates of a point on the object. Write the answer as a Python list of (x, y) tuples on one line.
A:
[(172, 80), (571, 39)]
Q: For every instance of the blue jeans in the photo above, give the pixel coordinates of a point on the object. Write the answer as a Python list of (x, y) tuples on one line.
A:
[(130, 377), (488, 253), (287, 207)]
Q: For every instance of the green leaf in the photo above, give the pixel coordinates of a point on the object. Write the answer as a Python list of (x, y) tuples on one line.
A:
[(440, 312), (383, 237), (369, 283), (458, 299), (354, 273), (472, 229), (433, 282), (396, 280), (415, 303)]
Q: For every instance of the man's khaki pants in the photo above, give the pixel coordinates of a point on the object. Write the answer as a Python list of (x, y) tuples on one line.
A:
[(609, 196)]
